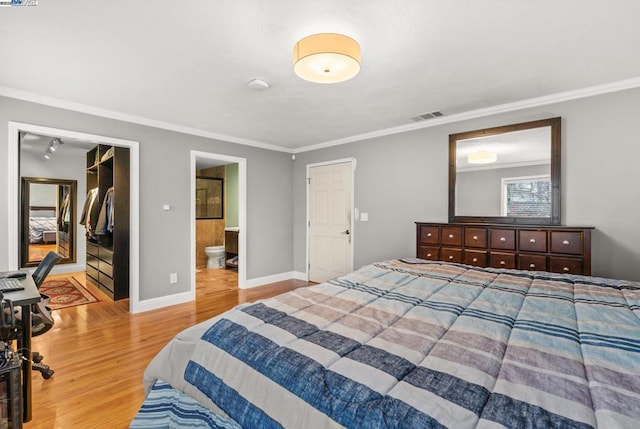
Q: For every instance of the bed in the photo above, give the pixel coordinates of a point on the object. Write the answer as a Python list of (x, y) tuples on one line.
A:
[(42, 225), (410, 343)]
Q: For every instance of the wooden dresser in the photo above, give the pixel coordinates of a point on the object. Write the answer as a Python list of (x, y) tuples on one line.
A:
[(558, 249)]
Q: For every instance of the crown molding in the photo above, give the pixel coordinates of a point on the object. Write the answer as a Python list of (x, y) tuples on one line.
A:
[(96, 111), (488, 111), (472, 114)]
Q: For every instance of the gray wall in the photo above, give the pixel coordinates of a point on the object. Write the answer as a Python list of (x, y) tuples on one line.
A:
[(165, 179), (478, 192), (401, 179)]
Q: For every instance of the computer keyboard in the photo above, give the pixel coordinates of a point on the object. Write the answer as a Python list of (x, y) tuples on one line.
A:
[(10, 285)]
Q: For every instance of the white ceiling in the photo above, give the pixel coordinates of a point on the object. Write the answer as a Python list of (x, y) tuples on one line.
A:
[(187, 63)]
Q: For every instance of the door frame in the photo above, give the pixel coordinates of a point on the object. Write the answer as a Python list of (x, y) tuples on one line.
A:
[(353, 163), (242, 214), (13, 192)]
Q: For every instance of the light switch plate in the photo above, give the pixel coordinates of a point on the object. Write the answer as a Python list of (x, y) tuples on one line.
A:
[(364, 217)]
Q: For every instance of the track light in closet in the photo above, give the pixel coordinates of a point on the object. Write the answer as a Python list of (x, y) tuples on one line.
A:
[(53, 145)]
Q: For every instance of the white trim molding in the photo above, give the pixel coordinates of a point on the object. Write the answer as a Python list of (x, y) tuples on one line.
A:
[(472, 114), (13, 204), (261, 281), (165, 301)]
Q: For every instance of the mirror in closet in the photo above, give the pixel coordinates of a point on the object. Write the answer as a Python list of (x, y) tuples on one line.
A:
[(47, 219)]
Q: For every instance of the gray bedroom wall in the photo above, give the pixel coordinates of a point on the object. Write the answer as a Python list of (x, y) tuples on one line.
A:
[(403, 178), (164, 179)]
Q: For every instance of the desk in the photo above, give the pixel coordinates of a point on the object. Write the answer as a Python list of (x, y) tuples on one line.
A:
[(24, 298)]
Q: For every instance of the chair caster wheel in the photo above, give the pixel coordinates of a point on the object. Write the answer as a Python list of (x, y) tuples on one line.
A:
[(36, 357), (47, 374)]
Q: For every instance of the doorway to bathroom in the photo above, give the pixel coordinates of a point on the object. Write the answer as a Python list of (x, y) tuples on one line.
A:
[(218, 193)]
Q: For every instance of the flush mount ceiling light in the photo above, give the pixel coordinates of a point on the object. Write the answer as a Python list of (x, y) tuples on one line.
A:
[(326, 58), (482, 157)]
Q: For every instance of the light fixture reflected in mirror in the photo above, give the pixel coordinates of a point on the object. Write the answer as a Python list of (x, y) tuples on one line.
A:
[(482, 157)]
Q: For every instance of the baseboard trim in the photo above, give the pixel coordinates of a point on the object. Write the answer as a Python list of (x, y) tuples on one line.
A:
[(261, 281), (163, 301), (299, 275)]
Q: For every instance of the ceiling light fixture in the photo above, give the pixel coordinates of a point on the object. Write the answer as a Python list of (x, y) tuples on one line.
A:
[(482, 157), (326, 58), (53, 145)]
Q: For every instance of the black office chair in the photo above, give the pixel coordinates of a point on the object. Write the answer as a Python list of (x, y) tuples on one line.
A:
[(41, 318)]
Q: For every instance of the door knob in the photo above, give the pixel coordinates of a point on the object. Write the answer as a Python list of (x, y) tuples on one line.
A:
[(346, 232)]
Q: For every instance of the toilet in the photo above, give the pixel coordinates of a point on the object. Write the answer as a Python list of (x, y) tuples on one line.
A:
[(216, 256)]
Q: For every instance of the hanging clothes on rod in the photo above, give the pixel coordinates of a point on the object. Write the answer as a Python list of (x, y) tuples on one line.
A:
[(105, 218), (90, 211)]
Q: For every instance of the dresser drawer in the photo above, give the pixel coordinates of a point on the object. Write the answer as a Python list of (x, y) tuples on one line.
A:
[(532, 262), (92, 249), (451, 236), (566, 265), (92, 261), (475, 257), (429, 253), (105, 268), (451, 255), (475, 237), (533, 241), (502, 260), (503, 239), (566, 242), (429, 234)]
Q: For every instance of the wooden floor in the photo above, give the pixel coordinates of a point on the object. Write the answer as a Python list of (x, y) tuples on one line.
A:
[(99, 351), (37, 252)]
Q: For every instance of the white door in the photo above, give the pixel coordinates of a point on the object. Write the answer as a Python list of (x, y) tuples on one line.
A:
[(330, 244)]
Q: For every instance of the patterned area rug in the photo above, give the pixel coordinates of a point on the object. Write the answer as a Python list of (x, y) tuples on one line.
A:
[(66, 292)]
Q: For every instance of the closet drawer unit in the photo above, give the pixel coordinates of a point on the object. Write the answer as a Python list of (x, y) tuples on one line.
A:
[(451, 236), (429, 234), (475, 237), (451, 255), (532, 262), (502, 260), (92, 261), (504, 239), (106, 281), (92, 272), (429, 253), (105, 268), (106, 255), (566, 265), (477, 258), (532, 241), (566, 242), (92, 249)]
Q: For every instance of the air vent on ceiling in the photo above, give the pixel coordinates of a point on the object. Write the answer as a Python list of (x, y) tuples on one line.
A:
[(429, 115)]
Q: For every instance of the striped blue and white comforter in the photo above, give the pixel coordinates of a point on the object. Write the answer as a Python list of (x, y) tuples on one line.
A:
[(411, 343)]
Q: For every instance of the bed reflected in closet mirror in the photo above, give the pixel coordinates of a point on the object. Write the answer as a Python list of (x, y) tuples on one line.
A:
[(47, 219)]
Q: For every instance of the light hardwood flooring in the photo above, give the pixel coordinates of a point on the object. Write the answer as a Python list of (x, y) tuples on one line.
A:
[(99, 351)]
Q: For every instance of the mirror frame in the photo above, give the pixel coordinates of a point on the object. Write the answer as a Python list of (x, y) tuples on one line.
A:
[(24, 216), (556, 137)]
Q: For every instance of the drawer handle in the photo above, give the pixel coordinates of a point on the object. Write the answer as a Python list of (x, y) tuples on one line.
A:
[(429, 235), (565, 242), (533, 240), (451, 258), (475, 259), (503, 263), (565, 269), (428, 255), (450, 235), (475, 237), (503, 239), (532, 265)]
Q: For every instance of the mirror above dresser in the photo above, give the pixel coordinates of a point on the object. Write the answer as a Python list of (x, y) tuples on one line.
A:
[(508, 174)]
